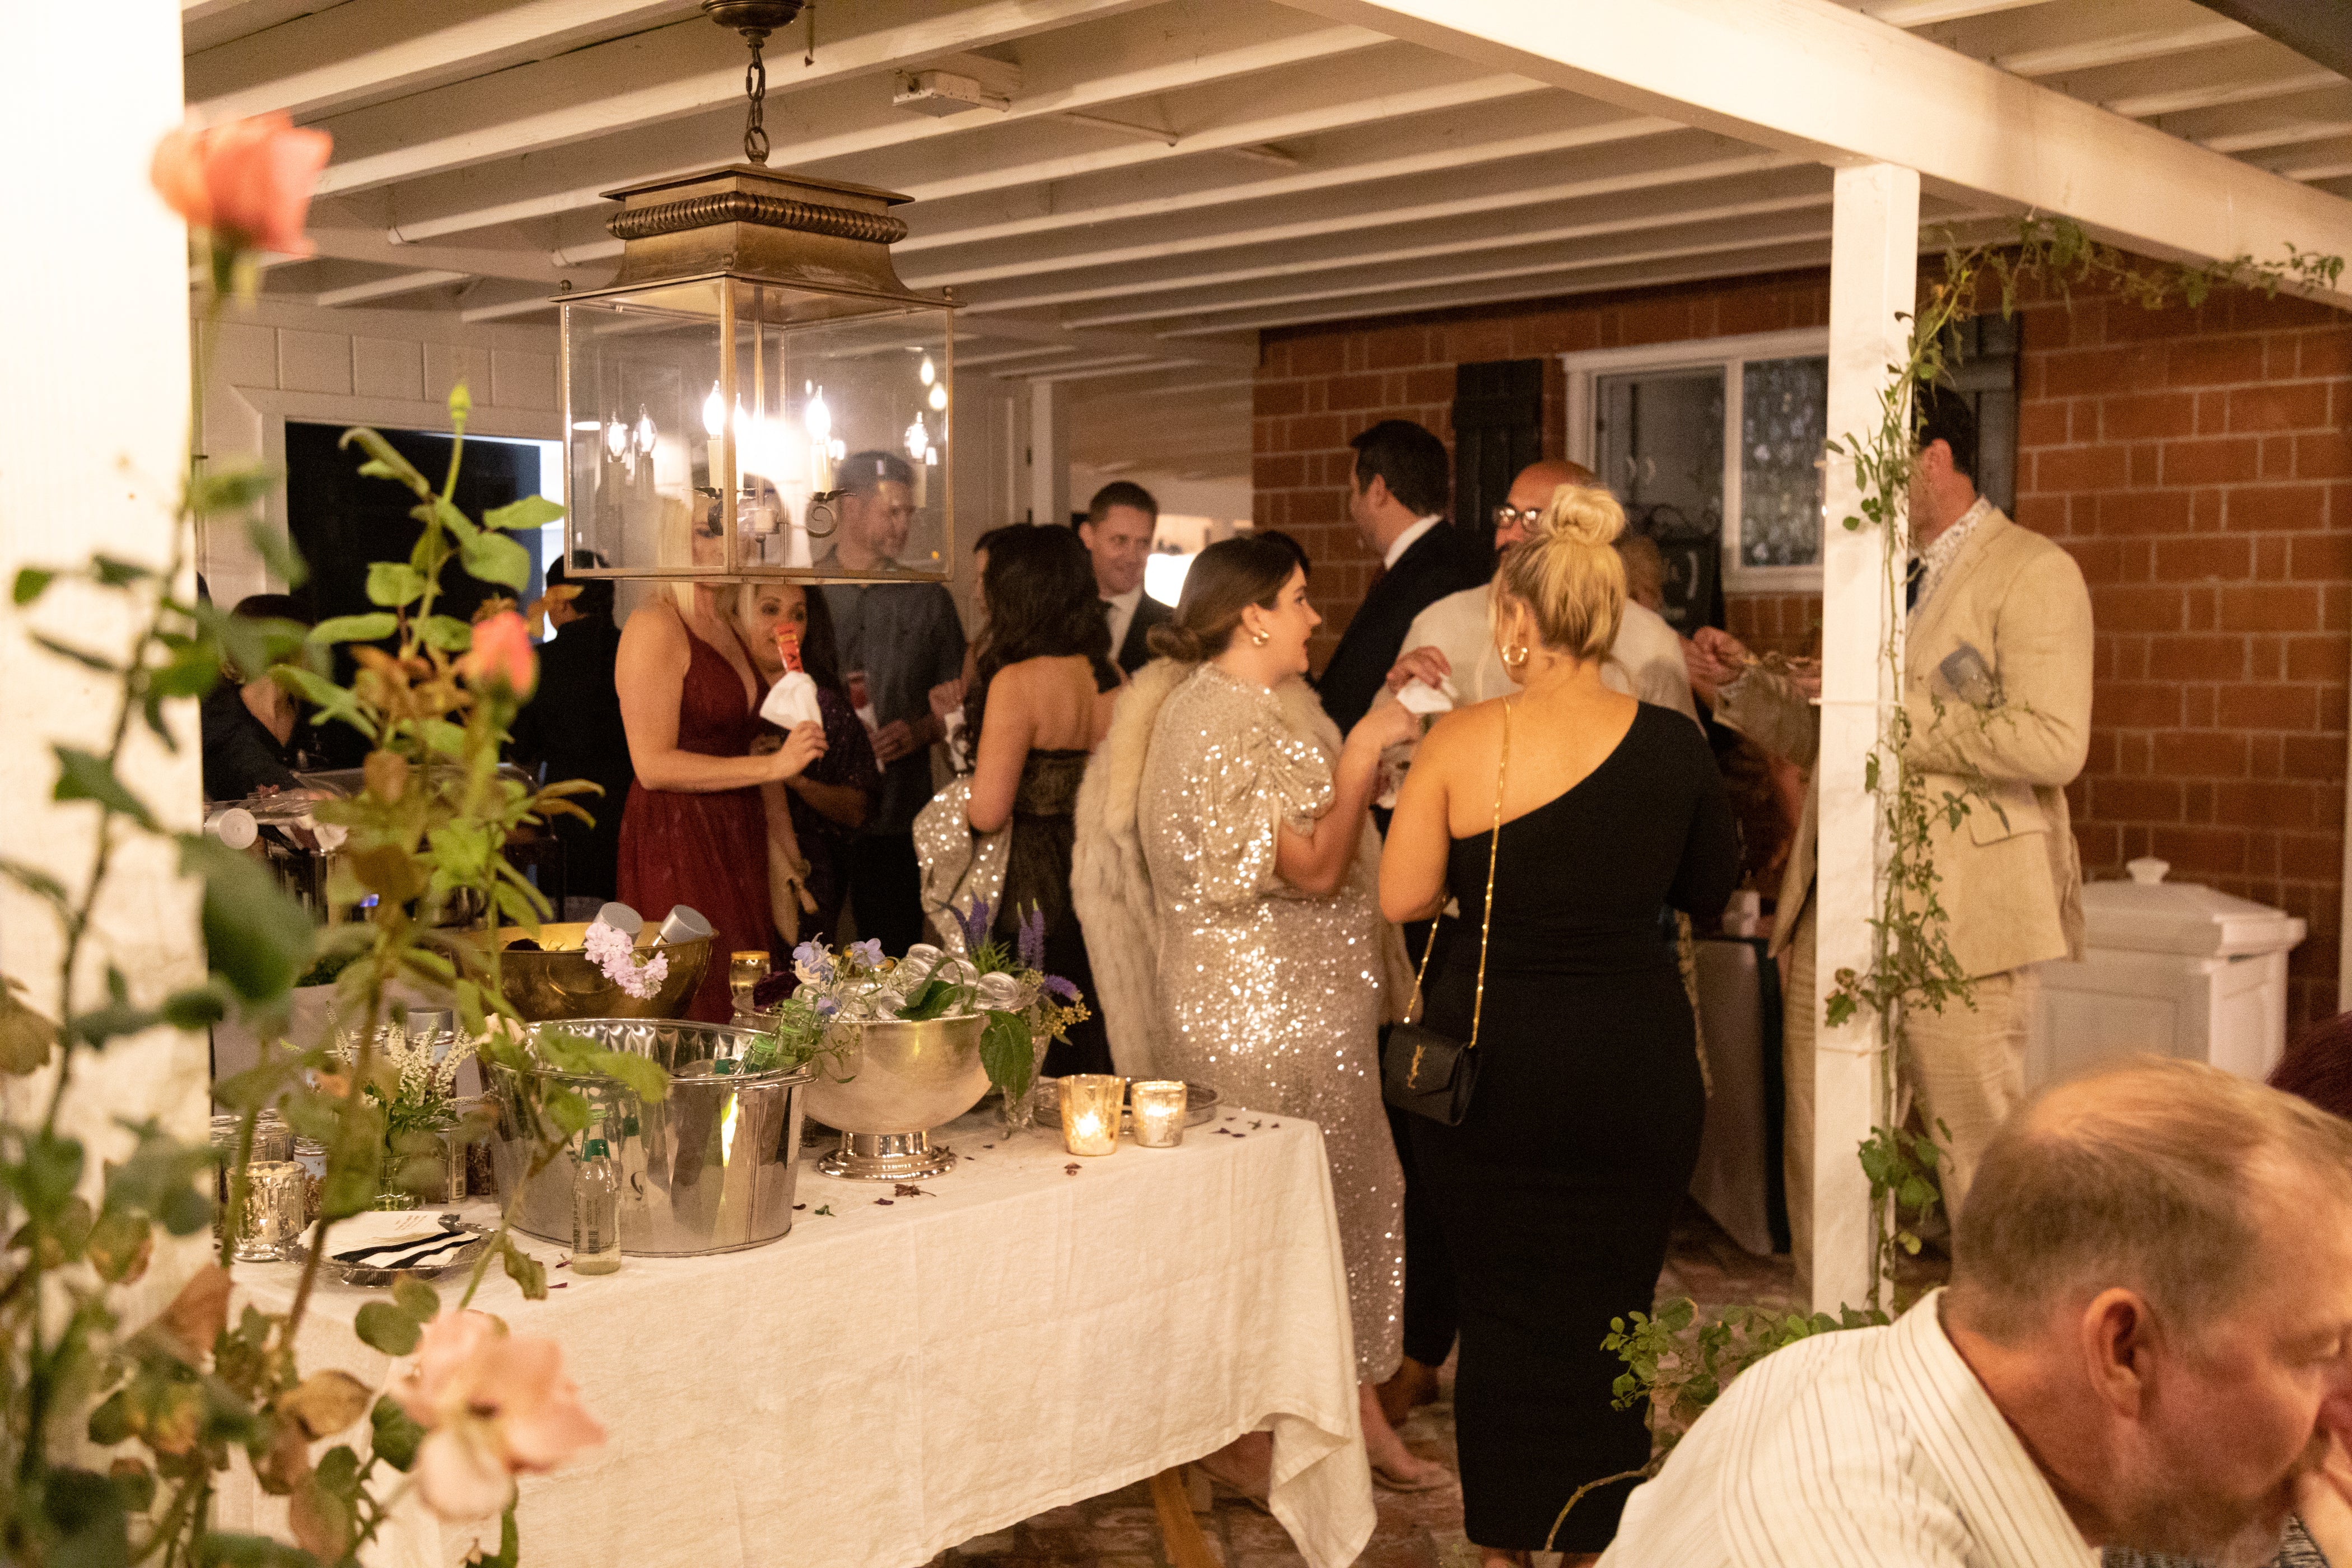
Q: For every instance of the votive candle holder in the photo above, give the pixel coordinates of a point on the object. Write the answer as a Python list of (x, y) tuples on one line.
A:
[(1159, 1112), (1090, 1105), (275, 1193)]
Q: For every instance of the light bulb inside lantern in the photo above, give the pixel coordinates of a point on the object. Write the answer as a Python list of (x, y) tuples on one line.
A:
[(818, 418), (930, 372), (919, 439), (616, 438), (714, 412), (646, 433), (939, 399)]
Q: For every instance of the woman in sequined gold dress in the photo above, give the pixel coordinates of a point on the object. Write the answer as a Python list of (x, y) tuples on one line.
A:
[(1272, 960)]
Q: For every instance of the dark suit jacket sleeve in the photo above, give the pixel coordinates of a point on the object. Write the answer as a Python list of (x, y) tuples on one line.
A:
[(1438, 563)]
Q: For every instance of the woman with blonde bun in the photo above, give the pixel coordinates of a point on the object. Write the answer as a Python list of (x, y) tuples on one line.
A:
[(1596, 814)]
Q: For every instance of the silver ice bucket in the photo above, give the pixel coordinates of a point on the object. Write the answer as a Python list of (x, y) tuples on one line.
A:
[(895, 1080), (711, 1169)]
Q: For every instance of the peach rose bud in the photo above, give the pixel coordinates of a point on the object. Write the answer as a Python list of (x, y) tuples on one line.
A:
[(502, 651)]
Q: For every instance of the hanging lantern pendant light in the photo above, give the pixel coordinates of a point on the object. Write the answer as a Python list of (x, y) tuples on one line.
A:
[(755, 19)]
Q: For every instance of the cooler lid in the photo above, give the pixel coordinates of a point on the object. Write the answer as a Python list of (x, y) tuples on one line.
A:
[(2148, 914)]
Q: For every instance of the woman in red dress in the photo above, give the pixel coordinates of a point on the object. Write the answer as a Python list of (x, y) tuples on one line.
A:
[(693, 832)]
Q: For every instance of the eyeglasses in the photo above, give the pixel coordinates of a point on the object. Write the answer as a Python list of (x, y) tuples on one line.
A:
[(1512, 516)]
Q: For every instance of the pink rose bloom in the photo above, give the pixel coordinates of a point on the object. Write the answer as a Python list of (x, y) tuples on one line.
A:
[(495, 1406), (503, 650), (249, 181)]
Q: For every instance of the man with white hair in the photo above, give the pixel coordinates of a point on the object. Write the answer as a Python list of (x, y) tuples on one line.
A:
[(2147, 1343)]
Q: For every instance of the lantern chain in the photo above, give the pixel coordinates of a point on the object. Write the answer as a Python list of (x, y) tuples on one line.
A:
[(755, 88)]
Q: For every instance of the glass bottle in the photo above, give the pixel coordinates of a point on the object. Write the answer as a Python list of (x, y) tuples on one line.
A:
[(595, 1210)]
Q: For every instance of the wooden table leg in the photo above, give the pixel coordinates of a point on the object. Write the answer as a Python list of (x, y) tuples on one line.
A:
[(1186, 1546)]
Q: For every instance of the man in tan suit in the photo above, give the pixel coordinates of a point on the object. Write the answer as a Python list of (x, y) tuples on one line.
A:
[(1997, 685)]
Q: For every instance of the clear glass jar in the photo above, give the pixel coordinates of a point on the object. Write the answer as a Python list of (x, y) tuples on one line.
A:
[(595, 1210), (274, 1192)]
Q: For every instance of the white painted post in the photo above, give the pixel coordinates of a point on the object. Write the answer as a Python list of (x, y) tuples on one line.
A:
[(1049, 452), (1874, 278)]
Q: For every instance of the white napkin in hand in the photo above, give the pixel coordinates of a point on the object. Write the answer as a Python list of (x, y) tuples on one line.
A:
[(1417, 695), (791, 701)]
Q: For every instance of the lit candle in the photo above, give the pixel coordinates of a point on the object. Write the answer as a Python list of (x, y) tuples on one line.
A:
[(714, 424), (1090, 1112), (1159, 1114)]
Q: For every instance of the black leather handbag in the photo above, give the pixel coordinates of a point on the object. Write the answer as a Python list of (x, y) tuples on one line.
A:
[(1423, 1071)]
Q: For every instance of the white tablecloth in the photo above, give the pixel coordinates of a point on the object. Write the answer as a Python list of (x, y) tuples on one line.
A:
[(893, 1379)]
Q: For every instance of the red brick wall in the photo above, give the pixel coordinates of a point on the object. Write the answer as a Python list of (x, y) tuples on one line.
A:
[(1317, 386), (2197, 464)]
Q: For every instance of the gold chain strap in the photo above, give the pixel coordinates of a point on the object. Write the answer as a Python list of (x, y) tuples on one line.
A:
[(1487, 914)]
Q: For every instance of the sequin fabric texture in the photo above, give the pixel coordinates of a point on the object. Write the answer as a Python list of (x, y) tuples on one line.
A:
[(1272, 996)]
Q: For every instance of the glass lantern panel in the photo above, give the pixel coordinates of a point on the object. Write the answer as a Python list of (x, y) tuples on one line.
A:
[(840, 436), (640, 368)]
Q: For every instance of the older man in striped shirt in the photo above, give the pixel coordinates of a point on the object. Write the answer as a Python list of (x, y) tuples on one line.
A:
[(2147, 1343)]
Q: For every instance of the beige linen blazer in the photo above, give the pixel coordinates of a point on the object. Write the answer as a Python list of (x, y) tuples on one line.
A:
[(2010, 876)]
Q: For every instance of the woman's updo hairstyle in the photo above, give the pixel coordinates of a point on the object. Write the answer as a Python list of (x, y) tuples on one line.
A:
[(1567, 572), (1225, 580)]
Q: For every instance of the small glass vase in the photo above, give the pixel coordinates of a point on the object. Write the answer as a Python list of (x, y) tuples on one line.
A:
[(393, 1198), (1019, 1112)]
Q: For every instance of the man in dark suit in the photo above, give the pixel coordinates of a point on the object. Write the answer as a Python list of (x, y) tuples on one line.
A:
[(1116, 532), (572, 726), (1396, 498)]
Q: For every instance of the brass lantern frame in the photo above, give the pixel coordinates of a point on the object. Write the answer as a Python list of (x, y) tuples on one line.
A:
[(811, 244)]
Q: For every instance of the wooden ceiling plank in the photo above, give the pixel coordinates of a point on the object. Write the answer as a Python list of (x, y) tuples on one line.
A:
[(1651, 166), (847, 119), (1811, 77), (666, 74), (368, 51)]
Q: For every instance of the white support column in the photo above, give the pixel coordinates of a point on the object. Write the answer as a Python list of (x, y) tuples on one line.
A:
[(93, 431), (1873, 278), (1049, 452)]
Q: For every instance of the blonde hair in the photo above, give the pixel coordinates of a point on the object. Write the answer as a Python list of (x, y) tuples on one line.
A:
[(1568, 573)]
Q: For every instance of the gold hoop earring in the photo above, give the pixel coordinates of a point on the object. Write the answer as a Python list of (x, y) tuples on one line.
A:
[(1261, 638), (1516, 658)]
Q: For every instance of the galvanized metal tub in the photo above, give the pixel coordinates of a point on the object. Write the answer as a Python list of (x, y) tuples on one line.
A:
[(711, 1169)]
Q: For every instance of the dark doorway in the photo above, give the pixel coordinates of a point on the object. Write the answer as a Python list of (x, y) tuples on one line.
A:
[(341, 522), (1498, 431)]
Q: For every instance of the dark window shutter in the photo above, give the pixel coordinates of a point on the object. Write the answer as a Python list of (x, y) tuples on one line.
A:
[(1498, 431)]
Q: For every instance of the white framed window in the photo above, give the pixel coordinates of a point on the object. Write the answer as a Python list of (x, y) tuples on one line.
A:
[(1718, 437)]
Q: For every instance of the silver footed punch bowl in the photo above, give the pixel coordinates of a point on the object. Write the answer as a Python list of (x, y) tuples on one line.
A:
[(908, 1045)]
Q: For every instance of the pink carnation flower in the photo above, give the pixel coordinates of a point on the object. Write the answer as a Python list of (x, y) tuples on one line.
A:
[(494, 1406)]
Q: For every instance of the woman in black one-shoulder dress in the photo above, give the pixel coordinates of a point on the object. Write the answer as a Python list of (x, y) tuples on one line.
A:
[(1557, 1190)]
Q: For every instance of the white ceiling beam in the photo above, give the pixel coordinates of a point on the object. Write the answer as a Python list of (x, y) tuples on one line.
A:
[(2047, 40), (1522, 126), (671, 73), (1109, 62), (347, 244), (1701, 240), (1387, 81), (500, 310), (1238, 352), (1637, 168), (2275, 122), (1306, 262), (1923, 13), (386, 287), (359, 54), (205, 24), (1834, 85), (2247, 72)]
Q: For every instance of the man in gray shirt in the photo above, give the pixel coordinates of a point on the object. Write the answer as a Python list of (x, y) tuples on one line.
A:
[(905, 638)]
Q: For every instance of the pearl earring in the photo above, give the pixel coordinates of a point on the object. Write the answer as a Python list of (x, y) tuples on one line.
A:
[(1261, 638)]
